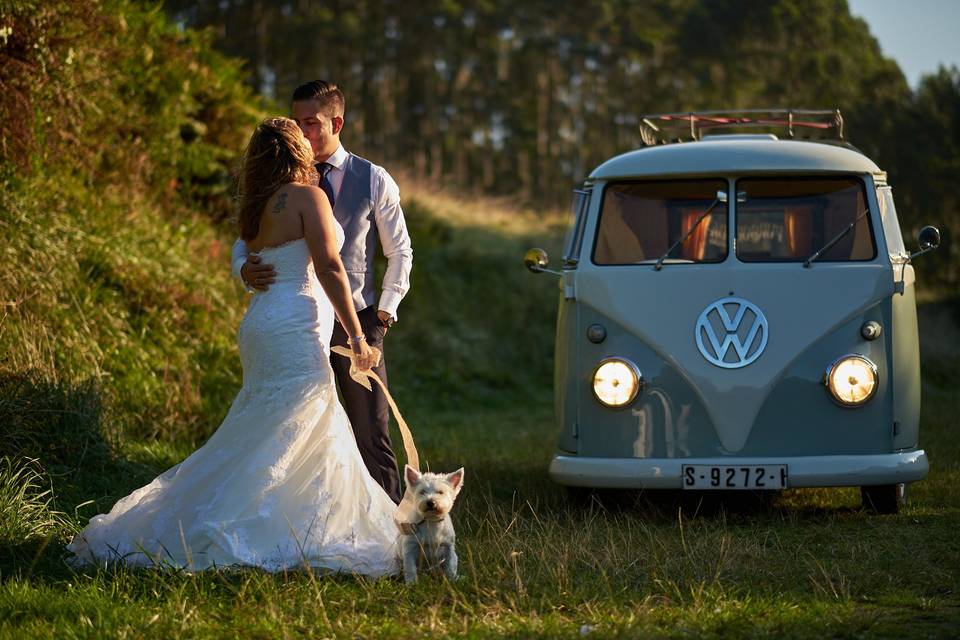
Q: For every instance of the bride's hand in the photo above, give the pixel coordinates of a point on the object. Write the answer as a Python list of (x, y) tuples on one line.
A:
[(364, 356)]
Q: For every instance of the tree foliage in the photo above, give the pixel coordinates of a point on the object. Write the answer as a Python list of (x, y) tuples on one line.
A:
[(116, 91), (529, 97), (526, 98)]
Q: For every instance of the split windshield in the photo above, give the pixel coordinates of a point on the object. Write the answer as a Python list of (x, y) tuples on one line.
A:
[(783, 219)]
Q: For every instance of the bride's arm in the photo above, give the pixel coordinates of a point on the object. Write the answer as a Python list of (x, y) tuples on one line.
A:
[(321, 237), (238, 258)]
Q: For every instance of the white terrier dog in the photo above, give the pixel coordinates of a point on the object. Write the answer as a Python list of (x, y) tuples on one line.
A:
[(432, 538)]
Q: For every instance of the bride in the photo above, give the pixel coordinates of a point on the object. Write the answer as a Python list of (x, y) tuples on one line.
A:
[(281, 483)]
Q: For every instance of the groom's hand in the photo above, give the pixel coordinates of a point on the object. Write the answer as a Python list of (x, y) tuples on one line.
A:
[(257, 275), (385, 320)]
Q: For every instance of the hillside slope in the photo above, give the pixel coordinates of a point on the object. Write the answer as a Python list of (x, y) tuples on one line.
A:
[(119, 315)]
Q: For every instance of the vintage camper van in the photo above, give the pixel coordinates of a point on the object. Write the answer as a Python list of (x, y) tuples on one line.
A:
[(737, 312)]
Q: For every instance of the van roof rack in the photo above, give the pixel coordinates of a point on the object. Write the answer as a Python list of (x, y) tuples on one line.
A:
[(664, 128)]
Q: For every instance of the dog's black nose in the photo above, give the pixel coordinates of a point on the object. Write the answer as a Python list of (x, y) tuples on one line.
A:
[(431, 505)]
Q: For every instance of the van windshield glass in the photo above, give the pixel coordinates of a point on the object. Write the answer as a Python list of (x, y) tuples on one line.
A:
[(640, 220), (788, 219)]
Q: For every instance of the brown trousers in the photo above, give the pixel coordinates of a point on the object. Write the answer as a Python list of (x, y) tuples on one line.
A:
[(368, 411)]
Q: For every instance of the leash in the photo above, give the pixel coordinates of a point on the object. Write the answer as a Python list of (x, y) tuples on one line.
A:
[(406, 517)]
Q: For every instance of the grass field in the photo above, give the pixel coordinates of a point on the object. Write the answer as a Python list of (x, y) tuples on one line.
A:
[(471, 369)]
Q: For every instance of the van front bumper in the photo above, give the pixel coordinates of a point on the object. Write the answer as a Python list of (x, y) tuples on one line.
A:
[(802, 471)]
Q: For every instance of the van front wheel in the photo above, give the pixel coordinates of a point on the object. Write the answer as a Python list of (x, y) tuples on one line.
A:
[(885, 498)]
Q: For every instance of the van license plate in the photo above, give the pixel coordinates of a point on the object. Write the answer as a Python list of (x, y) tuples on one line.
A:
[(754, 476)]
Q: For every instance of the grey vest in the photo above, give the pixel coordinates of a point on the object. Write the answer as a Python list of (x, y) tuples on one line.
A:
[(354, 211)]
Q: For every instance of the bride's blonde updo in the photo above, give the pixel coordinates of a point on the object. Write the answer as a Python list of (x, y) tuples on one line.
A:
[(277, 154)]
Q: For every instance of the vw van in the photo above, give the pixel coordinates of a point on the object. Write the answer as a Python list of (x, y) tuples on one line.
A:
[(737, 312)]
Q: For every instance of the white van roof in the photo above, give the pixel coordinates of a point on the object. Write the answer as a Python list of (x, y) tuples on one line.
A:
[(723, 155)]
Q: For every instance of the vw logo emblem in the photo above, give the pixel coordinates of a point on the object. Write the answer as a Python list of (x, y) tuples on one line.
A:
[(739, 324)]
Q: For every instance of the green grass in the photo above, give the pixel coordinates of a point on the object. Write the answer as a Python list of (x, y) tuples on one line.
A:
[(25, 497), (118, 356), (812, 564)]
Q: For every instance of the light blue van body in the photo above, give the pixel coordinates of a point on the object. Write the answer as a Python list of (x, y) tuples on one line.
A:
[(774, 412)]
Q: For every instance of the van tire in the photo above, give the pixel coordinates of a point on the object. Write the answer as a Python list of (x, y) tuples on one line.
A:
[(885, 498)]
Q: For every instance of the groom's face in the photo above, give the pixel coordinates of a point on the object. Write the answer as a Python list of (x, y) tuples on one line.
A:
[(321, 129)]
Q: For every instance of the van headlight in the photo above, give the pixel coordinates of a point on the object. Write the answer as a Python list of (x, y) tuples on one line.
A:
[(852, 380), (616, 382)]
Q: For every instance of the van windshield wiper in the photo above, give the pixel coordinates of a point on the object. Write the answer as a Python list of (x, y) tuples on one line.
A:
[(816, 254), (721, 197)]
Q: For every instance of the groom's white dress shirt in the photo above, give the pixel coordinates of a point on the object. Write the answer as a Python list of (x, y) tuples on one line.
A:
[(391, 228)]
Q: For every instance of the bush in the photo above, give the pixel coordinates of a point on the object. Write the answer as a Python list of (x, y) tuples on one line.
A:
[(119, 132), (116, 93)]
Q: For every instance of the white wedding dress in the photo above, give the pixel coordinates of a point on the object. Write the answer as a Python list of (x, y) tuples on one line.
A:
[(280, 484)]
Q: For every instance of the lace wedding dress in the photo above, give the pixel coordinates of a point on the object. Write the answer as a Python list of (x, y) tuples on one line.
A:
[(281, 483)]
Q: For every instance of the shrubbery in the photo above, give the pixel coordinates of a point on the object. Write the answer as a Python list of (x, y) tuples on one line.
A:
[(119, 136), (117, 94)]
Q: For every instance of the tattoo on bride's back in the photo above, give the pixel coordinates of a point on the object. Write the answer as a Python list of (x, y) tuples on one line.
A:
[(280, 203)]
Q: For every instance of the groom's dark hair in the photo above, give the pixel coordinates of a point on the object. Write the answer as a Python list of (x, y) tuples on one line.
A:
[(329, 98)]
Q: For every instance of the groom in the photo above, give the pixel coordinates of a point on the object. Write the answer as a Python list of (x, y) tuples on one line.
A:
[(366, 203)]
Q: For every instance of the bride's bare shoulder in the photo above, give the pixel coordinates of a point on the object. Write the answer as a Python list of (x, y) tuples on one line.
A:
[(307, 196), (304, 191)]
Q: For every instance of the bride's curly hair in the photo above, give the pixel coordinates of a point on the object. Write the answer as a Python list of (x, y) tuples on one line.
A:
[(277, 154)]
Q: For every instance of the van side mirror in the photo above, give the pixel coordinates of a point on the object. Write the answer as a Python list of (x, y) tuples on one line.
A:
[(536, 260), (929, 239)]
